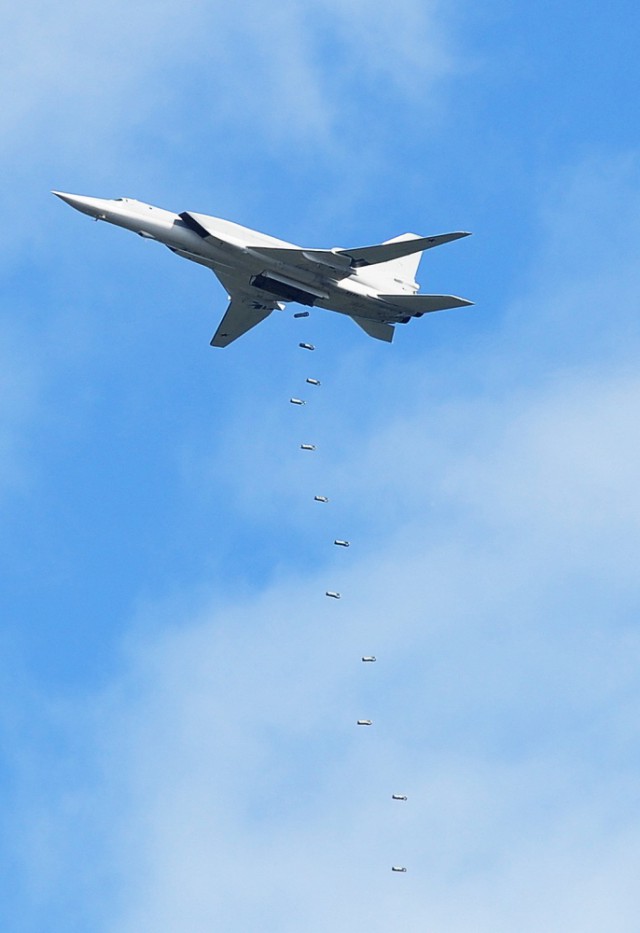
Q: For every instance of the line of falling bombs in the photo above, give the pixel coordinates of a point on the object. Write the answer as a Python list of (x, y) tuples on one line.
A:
[(339, 542)]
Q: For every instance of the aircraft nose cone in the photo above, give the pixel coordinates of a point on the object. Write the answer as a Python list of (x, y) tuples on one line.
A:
[(90, 206)]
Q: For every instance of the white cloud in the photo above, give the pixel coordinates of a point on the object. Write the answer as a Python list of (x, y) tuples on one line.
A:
[(239, 787), (406, 44), (78, 69), (85, 78), (108, 92), (229, 785), (222, 782), (164, 102), (501, 610)]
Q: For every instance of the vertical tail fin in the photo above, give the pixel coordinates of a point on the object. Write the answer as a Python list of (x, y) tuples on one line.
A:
[(397, 276)]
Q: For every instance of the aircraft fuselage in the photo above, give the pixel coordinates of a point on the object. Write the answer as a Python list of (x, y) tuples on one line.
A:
[(262, 272)]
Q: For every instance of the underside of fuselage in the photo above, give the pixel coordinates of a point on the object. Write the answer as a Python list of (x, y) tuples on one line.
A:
[(286, 290)]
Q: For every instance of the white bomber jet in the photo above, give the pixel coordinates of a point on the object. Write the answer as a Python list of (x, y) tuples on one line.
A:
[(373, 285)]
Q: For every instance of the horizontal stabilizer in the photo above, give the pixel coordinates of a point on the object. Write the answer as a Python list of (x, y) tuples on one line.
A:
[(375, 328), (395, 249), (417, 305)]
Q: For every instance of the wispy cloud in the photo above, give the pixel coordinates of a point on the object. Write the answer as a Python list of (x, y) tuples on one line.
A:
[(229, 785), (408, 44), (85, 78)]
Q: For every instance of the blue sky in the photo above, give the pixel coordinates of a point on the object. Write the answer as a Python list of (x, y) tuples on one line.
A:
[(178, 696)]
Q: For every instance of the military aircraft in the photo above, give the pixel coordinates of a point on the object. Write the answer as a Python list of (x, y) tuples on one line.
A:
[(373, 285)]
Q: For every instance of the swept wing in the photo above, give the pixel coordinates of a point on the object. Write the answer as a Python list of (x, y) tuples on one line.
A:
[(395, 249), (342, 262), (242, 314), (244, 311)]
